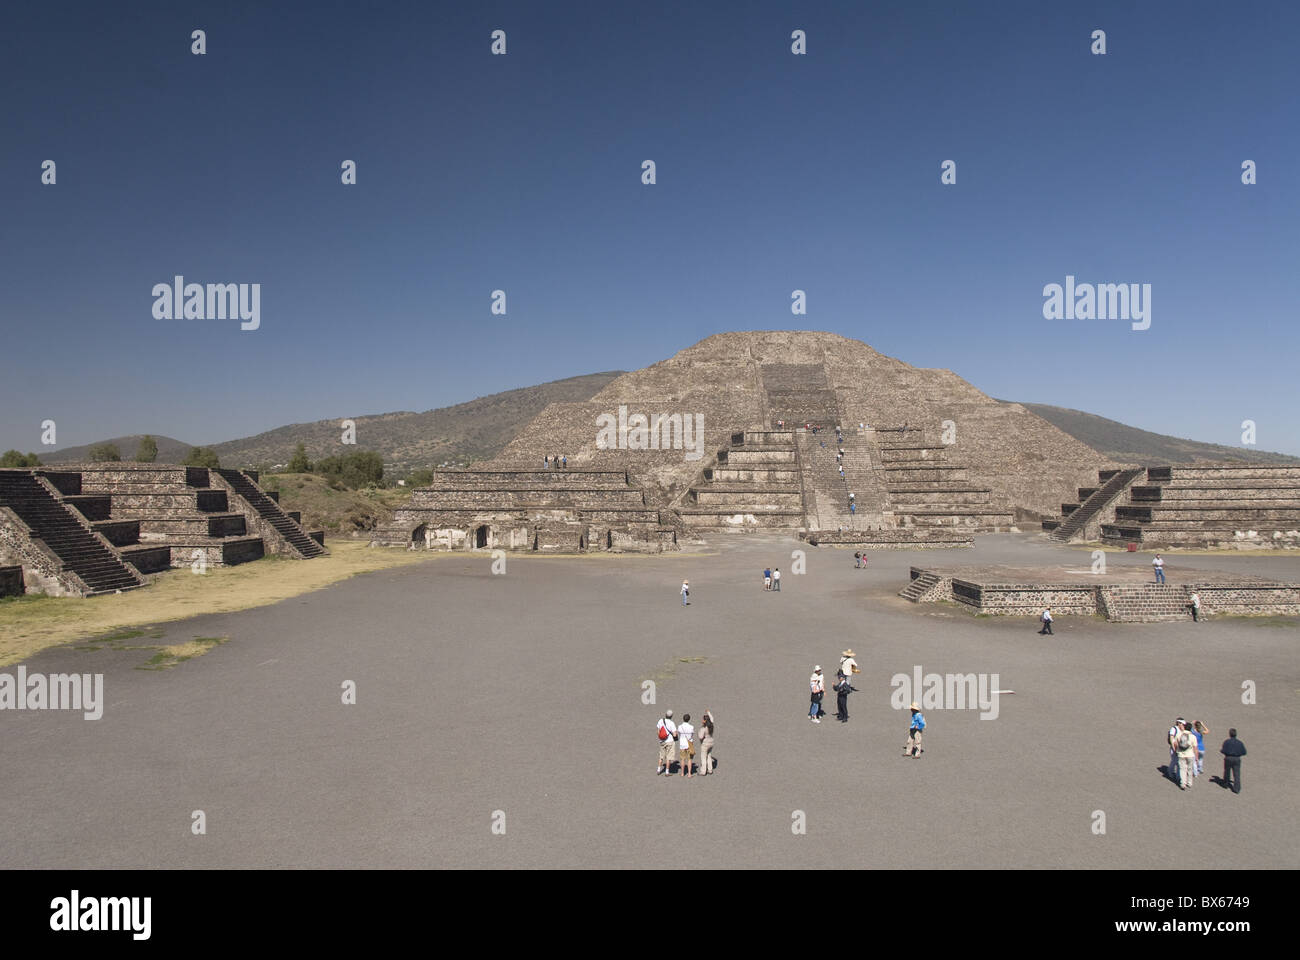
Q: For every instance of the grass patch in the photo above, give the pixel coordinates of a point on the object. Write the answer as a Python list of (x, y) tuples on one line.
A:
[(177, 653), (27, 628)]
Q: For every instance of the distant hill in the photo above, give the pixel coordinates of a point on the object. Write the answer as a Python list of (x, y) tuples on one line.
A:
[(476, 430), (1130, 445), (169, 450)]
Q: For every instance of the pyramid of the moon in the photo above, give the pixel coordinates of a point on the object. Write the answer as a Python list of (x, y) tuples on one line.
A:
[(740, 432), (922, 447)]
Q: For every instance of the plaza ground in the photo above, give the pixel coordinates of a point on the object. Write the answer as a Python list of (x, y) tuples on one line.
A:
[(522, 693)]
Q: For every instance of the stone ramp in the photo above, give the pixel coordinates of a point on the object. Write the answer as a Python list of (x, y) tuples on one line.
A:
[(39, 514)]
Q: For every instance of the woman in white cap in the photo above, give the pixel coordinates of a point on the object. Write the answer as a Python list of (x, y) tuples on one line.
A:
[(686, 592), (818, 684)]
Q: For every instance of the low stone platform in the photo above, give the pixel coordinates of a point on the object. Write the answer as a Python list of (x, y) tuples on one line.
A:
[(899, 539), (1124, 594)]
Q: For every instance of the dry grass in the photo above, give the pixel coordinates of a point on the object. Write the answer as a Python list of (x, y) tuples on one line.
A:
[(31, 624)]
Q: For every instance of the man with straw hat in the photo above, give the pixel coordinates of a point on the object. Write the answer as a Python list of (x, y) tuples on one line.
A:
[(913, 746), (843, 684)]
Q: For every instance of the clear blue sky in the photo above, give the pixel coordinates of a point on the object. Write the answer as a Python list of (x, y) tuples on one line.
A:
[(523, 172)]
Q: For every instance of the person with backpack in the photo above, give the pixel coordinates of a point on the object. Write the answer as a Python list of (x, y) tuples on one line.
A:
[(1172, 737), (818, 685), (667, 733), (1186, 743), (857, 560), (912, 748), (1046, 619)]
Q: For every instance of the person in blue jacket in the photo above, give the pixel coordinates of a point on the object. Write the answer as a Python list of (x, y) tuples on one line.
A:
[(913, 746)]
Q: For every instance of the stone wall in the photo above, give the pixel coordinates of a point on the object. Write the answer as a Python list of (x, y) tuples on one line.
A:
[(11, 581)]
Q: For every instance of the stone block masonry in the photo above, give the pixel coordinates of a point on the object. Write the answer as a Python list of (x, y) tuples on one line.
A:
[(1123, 599)]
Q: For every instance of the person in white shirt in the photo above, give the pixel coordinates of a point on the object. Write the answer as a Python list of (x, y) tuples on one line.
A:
[(1046, 619), (686, 744), (1159, 565), (1195, 604), (776, 580), (818, 685), (667, 743)]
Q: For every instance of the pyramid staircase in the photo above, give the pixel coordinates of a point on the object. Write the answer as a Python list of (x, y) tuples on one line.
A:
[(1079, 520), (59, 527), (1145, 603), (292, 534)]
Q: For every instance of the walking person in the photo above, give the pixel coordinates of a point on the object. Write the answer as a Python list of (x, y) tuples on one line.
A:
[(564, 462), (686, 745), (776, 580), (1046, 619), (1201, 731), (1159, 565), (706, 743), (1195, 604), (912, 748), (1186, 743), (817, 683), (547, 462), (686, 593), (857, 559), (1233, 750), (667, 733), (853, 508)]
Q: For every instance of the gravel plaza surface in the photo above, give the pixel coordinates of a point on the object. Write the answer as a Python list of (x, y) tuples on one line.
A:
[(517, 700)]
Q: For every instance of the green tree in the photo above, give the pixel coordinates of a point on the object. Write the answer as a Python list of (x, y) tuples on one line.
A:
[(353, 470), (147, 452), (202, 457), (12, 458), (101, 452), (419, 478), (299, 463)]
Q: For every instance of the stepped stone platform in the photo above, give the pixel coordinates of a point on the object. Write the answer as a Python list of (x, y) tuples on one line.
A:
[(753, 482), (1124, 594), (86, 529), (1202, 505), (57, 547), (554, 510)]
